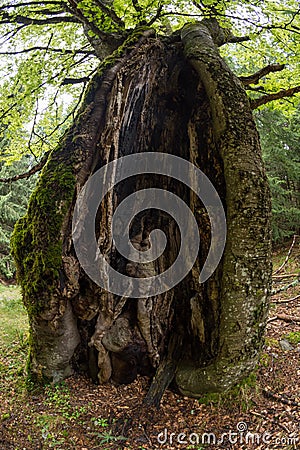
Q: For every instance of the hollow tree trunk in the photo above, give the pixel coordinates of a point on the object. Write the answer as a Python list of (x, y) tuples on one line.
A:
[(172, 96)]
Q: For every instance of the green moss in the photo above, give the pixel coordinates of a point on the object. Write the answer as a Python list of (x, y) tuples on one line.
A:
[(294, 337), (271, 342), (240, 393), (36, 241)]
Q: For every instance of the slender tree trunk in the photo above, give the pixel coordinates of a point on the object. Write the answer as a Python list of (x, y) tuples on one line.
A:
[(173, 96)]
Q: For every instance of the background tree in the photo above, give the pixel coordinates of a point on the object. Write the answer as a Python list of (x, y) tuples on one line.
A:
[(162, 87), (280, 144), (13, 204)]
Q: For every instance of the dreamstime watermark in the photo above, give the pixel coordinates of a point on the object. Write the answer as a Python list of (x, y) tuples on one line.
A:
[(104, 180), (240, 436)]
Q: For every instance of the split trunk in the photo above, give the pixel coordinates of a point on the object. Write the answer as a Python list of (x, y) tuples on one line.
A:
[(173, 96)]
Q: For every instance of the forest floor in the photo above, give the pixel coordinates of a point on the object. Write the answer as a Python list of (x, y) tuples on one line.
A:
[(262, 413)]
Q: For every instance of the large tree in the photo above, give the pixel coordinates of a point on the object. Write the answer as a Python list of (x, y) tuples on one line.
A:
[(162, 86)]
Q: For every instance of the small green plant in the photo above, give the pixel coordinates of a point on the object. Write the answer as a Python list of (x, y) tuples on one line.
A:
[(100, 422), (59, 396), (293, 337), (265, 359), (106, 438)]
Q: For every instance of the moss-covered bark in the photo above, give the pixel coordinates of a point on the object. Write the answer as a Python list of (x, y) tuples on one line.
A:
[(167, 96)]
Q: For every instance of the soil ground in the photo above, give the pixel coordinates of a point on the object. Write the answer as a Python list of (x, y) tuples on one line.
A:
[(262, 413)]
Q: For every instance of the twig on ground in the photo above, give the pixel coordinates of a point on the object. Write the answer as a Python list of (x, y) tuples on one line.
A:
[(285, 275), (279, 398), (287, 256), (268, 419), (284, 317), (286, 287), (288, 300)]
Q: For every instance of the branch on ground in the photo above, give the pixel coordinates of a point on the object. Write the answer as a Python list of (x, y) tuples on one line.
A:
[(285, 275), (285, 318), (279, 398), (288, 300), (287, 256), (286, 287)]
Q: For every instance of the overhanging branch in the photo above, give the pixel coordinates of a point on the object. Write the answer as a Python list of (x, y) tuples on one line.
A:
[(22, 4), (276, 96), (75, 80), (29, 173), (55, 50), (254, 79), (7, 18)]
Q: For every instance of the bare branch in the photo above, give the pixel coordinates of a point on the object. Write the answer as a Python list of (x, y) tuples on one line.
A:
[(287, 256), (157, 15), (279, 398), (56, 50), (110, 13), (286, 287), (288, 300), (284, 317), (30, 172), (254, 79), (237, 39), (20, 5), (75, 80), (276, 96), (7, 18)]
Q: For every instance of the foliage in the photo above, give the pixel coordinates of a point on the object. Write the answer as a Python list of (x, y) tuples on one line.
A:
[(280, 137), (294, 337), (48, 51), (13, 205)]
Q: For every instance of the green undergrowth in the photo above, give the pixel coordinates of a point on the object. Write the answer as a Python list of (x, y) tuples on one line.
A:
[(13, 338)]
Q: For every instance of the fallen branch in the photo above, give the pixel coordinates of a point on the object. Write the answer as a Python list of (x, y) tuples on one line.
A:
[(287, 256), (285, 318), (279, 398), (268, 419), (286, 275), (288, 300), (286, 287)]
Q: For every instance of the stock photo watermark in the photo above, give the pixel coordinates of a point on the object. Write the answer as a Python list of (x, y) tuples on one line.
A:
[(104, 180), (239, 436)]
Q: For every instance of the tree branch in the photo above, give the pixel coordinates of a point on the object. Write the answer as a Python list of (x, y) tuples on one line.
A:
[(110, 13), (288, 300), (237, 39), (7, 18), (254, 79), (285, 318), (75, 80), (20, 5), (57, 50), (271, 97), (30, 172)]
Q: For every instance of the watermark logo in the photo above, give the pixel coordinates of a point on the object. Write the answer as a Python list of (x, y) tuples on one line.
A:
[(103, 181), (240, 436)]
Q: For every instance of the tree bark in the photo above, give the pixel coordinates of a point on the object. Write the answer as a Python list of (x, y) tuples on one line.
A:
[(164, 96)]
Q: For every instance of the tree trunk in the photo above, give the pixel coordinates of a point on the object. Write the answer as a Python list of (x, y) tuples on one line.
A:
[(173, 96)]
